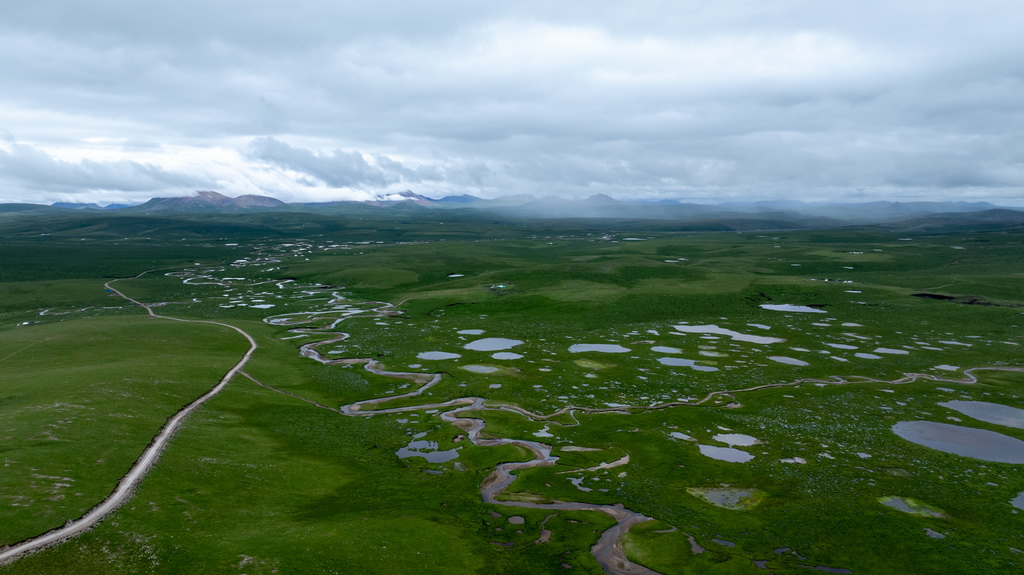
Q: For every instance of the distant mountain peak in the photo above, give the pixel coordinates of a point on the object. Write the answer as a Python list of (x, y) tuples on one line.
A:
[(76, 206), (207, 201), (405, 196), (256, 201), (461, 199), (601, 199)]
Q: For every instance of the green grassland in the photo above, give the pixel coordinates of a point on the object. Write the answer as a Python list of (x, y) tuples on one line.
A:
[(264, 480), (81, 398)]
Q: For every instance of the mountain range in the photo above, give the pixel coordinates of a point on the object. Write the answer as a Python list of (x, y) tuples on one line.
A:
[(264, 215), (551, 207)]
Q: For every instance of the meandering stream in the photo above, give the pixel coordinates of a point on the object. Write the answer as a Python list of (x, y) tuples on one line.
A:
[(608, 550)]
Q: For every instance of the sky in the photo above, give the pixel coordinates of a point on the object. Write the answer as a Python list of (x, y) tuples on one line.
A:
[(118, 101)]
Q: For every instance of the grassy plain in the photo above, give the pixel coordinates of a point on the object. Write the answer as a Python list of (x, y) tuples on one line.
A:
[(259, 481), (82, 398)]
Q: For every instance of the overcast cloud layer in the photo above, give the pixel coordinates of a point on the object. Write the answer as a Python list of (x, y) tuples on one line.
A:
[(119, 101)]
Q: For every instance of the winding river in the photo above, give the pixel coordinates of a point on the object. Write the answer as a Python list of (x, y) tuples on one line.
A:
[(608, 550)]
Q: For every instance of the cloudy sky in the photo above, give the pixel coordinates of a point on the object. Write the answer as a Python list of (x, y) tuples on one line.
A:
[(316, 100)]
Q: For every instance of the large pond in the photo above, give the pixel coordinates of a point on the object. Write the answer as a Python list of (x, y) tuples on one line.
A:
[(989, 412), (492, 344), (714, 329), (966, 441)]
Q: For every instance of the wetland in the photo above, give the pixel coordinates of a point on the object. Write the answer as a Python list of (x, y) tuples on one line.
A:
[(376, 425)]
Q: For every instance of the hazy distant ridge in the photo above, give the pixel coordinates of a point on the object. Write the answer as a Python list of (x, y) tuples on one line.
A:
[(774, 213)]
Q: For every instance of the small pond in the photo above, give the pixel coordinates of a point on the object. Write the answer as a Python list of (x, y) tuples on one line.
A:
[(911, 506), (728, 497), (427, 450), (492, 344), (437, 355), (601, 347), (787, 360), (791, 307), (480, 368), (663, 349), (891, 351), (729, 454), (740, 439), (714, 329), (683, 362)]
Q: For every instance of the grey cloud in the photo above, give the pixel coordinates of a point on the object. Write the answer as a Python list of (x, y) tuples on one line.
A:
[(339, 168), (656, 97), (32, 168)]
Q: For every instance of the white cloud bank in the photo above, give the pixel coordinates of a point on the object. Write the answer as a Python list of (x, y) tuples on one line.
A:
[(323, 100)]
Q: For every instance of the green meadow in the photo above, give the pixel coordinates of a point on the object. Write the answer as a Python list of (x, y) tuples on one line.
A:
[(690, 369)]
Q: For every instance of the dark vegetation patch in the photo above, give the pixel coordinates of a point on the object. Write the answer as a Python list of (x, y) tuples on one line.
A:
[(964, 299)]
